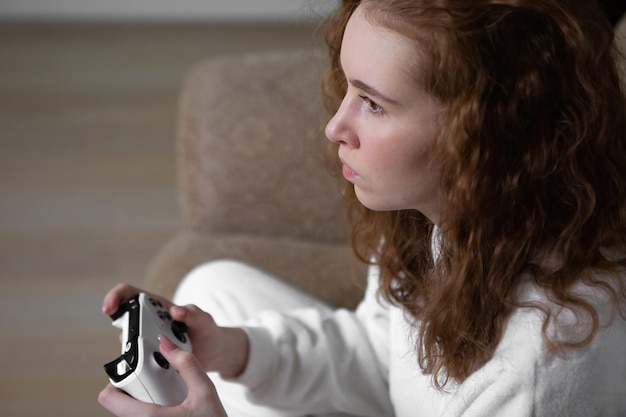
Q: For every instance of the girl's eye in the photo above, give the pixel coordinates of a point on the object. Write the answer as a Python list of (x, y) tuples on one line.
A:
[(372, 106)]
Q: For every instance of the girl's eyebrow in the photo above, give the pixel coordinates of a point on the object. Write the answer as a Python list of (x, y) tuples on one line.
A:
[(372, 91)]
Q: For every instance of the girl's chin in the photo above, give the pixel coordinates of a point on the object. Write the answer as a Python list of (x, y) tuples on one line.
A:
[(371, 202)]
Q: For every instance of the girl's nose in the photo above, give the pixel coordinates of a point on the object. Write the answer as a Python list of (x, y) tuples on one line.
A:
[(340, 129)]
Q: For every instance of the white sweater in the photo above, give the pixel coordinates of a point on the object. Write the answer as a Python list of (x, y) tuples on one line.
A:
[(363, 363)]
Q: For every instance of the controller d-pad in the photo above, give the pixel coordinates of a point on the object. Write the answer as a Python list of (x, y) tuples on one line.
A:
[(161, 361)]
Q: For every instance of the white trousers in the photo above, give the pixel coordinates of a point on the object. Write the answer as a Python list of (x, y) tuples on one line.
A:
[(232, 293)]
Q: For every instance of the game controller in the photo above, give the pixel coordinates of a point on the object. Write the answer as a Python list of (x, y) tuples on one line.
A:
[(141, 370)]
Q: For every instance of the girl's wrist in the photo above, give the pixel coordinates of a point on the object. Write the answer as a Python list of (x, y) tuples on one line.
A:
[(235, 346)]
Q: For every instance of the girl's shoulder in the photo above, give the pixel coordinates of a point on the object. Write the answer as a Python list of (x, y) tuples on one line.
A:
[(526, 375), (587, 369)]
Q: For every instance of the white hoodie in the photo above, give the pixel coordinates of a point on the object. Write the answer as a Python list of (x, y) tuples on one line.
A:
[(363, 363)]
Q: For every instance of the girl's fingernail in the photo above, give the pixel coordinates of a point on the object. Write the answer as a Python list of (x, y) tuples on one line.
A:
[(179, 311), (166, 344)]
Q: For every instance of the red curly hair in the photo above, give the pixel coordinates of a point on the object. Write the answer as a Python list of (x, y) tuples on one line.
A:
[(534, 169)]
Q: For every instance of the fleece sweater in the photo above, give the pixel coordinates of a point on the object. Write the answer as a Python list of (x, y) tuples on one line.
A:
[(364, 363)]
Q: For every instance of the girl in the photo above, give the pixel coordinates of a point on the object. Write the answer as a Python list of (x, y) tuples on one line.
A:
[(483, 144)]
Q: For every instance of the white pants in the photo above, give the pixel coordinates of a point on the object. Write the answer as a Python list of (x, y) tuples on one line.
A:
[(233, 292)]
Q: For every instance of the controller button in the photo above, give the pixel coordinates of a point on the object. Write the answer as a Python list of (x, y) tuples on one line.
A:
[(155, 303), (161, 361), (164, 315), (179, 329)]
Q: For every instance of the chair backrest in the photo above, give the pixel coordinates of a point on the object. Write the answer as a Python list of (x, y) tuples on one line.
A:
[(251, 148)]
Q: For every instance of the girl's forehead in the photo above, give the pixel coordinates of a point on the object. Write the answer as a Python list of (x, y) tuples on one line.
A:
[(368, 36), (371, 48)]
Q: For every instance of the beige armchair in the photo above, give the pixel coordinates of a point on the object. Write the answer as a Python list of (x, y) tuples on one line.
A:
[(252, 180)]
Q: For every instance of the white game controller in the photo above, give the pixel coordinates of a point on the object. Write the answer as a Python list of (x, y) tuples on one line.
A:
[(141, 370)]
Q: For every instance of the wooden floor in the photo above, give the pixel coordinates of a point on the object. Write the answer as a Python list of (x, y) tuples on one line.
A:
[(87, 189)]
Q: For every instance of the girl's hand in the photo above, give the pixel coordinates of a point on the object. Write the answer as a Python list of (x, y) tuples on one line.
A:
[(121, 293), (202, 398), (219, 349)]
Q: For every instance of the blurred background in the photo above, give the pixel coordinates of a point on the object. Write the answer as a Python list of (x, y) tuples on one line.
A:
[(88, 93), (165, 10)]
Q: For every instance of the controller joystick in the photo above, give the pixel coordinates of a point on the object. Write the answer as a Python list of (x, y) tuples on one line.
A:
[(141, 370), (161, 361), (180, 331)]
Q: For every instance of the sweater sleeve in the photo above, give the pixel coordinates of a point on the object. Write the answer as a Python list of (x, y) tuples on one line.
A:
[(312, 361)]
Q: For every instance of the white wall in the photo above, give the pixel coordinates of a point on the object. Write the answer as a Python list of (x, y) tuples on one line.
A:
[(163, 9)]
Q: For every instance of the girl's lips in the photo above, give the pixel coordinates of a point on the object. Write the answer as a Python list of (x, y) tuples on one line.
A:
[(347, 172)]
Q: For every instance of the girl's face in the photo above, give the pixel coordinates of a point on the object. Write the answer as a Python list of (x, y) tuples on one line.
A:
[(386, 124)]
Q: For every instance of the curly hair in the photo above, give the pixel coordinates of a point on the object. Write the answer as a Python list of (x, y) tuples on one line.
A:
[(534, 161)]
